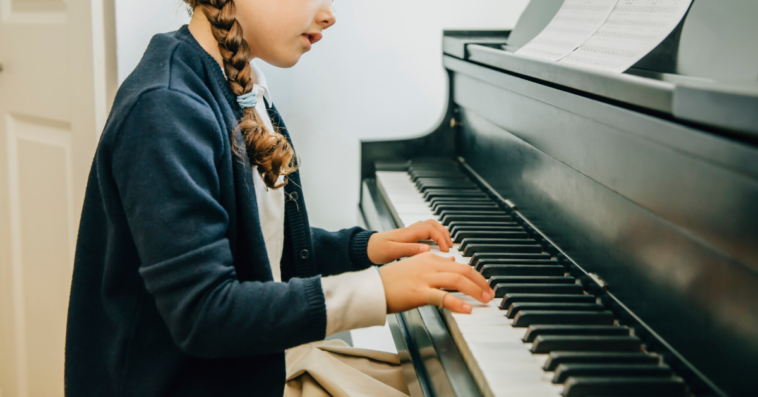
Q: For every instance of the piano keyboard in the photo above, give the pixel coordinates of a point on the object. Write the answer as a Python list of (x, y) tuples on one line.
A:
[(543, 334)]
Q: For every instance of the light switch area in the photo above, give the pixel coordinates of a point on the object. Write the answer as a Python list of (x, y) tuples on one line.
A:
[(374, 338)]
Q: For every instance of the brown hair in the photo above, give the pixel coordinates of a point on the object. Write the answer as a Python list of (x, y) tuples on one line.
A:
[(269, 150)]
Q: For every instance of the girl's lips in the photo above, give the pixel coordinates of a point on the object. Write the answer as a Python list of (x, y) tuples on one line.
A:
[(306, 41), (314, 37), (311, 38)]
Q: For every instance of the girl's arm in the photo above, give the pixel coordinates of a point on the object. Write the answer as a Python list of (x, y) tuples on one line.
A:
[(164, 163)]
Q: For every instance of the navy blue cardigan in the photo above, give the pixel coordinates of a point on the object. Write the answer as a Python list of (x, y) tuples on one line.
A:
[(172, 291)]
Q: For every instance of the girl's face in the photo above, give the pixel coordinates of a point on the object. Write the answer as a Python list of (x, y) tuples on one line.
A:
[(280, 31)]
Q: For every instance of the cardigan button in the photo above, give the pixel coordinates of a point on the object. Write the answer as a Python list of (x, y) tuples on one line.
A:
[(304, 254)]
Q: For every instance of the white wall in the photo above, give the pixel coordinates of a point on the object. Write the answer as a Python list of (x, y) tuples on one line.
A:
[(376, 75)]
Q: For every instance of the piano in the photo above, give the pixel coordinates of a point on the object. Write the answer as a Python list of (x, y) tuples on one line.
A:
[(615, 215)]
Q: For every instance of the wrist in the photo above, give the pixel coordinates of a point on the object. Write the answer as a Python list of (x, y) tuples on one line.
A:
[(359, 249)]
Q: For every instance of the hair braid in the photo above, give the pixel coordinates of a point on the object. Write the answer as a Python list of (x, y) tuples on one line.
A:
[(268, 150)]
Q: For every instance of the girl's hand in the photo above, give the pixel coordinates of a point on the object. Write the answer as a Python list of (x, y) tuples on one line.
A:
[(407, 283), (400, 243)]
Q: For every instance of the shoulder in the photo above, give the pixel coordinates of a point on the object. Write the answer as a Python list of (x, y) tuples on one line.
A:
[(169, 64), (168, 93)]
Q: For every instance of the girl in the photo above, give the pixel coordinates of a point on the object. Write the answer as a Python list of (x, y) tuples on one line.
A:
[(195, 265)]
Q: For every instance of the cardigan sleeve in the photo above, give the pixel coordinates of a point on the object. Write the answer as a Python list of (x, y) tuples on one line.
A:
[(164, 166), (342, 251)]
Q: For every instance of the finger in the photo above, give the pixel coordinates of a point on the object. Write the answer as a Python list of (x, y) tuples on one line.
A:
[(468, 272), (455, 281), (439, 238), (456, 305), (404, 250), (443, 230), (438, 258), (426, 231)]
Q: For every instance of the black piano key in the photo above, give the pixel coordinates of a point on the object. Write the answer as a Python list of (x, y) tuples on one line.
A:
[(488, 232), (435, 165), (472, 212), (493, 263), (525, 318), (596, 330), (564, 371), (448, 176), (442, 177), (470, 187), (495, 280), (436, 193), (557, 358), (510, 299), (436, 174), (488, 271), (573, 343), (450, 219), (581, 386), (472, 249), (447, 184), (504, 241), (427, 173), (517, 307), (455, 227), (446, 217), (502, 289), (478, 260), (486, 207), (459, 200), (444, 183)]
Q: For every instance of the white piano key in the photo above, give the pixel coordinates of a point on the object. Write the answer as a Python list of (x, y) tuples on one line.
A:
[(485, 336), (413, 207)]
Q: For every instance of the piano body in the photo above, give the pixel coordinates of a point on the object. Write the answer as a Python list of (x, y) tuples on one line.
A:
[(616, 214)]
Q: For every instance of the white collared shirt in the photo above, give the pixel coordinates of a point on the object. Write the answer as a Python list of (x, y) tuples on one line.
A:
[(353, 300)]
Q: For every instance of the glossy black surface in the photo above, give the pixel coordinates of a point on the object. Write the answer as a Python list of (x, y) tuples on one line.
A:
[(665, 222), (564, 371), (664, 212), (624, 386), (548, 343), (557, 358), (597, 330)]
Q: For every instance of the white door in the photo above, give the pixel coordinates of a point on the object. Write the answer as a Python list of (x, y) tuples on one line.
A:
[(56, 85)]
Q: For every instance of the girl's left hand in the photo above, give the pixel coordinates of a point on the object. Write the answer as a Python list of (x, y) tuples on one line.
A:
[(400, 243)]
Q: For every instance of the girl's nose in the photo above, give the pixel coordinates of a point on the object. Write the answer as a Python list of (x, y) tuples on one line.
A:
[(326, 17)]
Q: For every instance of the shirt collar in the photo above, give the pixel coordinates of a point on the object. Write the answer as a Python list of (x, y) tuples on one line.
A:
[(262, 86)]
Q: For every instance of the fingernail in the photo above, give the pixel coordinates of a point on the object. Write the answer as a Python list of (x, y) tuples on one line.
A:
[(492, 293), (423, 248), (467, 308), (486, 296)]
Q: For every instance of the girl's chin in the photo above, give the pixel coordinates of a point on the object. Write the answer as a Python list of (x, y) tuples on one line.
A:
[(285, 62)]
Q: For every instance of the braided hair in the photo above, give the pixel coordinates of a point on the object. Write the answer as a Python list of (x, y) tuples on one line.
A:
[(268, 150)]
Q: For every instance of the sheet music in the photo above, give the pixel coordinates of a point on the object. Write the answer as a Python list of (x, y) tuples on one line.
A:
[(574, 23), (633, 29)]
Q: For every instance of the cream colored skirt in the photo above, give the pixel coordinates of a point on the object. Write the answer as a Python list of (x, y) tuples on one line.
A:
[(333, 368)]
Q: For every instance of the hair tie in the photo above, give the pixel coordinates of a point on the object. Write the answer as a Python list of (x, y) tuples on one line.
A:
[(249, 100)]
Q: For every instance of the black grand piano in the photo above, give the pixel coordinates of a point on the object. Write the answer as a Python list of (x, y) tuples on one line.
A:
[(616, 215)]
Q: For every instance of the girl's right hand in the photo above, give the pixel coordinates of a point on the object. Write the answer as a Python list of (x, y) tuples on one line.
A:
[(407, 283)]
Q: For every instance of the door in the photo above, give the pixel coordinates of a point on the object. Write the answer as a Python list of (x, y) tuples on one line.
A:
[(57, 81)]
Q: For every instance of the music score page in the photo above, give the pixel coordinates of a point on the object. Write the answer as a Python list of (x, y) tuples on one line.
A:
[(629, 30), (575, 22), (634, 28)]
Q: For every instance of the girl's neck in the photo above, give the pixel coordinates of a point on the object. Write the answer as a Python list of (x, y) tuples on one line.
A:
[(200, 29)]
